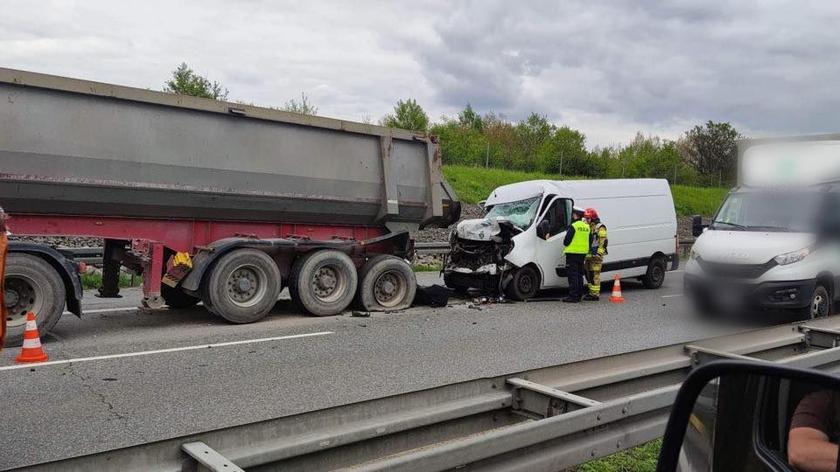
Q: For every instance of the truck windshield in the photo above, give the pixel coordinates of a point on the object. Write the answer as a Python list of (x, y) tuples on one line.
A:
[(769, 211), (520, 213)]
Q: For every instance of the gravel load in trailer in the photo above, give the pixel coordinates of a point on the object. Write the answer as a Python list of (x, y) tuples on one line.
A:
[(214, 201)]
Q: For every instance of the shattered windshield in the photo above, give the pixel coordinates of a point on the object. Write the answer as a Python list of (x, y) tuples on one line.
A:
[(520, 213)]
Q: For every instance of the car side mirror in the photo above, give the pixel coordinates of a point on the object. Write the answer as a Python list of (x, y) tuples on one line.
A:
[(697, 225), (543, 229), (745, 415)]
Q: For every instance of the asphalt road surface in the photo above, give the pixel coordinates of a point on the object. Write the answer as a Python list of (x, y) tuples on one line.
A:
[(120, 376)]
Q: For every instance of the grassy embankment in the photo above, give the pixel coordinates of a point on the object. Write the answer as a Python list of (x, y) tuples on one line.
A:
[(473, 184)]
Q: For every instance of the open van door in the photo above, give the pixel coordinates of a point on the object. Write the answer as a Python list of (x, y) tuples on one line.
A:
[(551, 229)]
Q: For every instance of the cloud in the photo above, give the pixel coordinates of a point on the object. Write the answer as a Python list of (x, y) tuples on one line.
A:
[(609, 68)]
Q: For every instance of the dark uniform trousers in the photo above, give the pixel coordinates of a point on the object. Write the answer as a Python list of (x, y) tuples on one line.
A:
[(574, 271)]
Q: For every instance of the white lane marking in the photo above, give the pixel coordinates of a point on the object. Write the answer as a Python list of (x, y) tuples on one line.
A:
[(106, 310), (164, 351), (678, 271), (672, 296)]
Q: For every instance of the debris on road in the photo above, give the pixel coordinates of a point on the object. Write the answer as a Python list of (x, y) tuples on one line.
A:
[(433, 296)]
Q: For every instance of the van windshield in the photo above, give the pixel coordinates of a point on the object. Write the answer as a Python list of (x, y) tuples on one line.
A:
[(769, 211), (520, 214)]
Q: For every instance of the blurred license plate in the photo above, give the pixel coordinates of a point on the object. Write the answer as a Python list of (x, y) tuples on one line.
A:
[(730, 296)]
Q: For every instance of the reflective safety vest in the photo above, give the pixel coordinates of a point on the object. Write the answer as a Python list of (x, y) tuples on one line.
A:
[(580, 240)]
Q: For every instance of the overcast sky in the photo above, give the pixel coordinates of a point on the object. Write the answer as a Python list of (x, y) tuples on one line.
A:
[(607, 68)]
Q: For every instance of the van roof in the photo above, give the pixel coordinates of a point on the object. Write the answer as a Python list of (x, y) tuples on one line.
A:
[(579, 189)]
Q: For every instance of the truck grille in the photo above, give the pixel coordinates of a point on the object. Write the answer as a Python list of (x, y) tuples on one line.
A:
[(738, 271)]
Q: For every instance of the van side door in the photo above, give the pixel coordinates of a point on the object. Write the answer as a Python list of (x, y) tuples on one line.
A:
[(549, 250)]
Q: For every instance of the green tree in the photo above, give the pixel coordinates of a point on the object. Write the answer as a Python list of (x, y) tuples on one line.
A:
[(651, 157), (461, 144), (407, 115), (468, 118), (565, 154), (532, 135), (185, 81), (712, 150), (304, 106)]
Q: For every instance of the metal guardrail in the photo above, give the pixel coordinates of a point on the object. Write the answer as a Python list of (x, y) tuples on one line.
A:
[(546, 419)]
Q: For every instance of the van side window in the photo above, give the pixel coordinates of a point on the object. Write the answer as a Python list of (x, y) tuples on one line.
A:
[(557, 217)]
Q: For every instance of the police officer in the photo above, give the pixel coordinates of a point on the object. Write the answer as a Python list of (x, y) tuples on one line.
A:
[(597, 251), (577, 242)]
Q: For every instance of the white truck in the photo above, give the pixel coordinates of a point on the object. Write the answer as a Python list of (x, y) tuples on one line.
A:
[(773, 244), (517, 247)]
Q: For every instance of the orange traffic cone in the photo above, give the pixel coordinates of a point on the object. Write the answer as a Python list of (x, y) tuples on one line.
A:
[(616, 296), (31, 350)]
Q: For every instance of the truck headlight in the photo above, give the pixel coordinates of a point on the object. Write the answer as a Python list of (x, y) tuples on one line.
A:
[(791, 257), (692, 255)]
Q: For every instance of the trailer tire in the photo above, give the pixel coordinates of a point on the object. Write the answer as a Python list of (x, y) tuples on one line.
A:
[(323, 283), (524, 285), (243, 286), (655, 275), (31, 284), (386, 283), (176, 298)]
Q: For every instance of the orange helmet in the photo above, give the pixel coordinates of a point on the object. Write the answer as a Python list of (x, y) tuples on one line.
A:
[(590, 214)]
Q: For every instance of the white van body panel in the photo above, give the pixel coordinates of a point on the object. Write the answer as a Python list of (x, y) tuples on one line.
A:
[(638, 213)]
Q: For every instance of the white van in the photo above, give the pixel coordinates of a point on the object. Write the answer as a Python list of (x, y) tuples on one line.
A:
[(774, 242), (518, 246)]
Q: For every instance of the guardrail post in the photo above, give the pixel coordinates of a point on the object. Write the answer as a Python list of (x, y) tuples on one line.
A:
[(207, 458)]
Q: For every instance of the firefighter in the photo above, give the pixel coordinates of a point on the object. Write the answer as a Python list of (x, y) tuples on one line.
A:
[(577, 242), (597, 251), (4, 242)]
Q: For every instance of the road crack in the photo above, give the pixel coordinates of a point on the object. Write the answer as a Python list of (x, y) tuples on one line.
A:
[(112, 411)]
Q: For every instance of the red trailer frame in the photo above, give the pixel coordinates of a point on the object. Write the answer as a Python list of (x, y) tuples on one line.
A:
[(146, 244)]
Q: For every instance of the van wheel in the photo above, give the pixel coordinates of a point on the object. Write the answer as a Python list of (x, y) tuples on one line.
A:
[(655, 276), (31, 284), (323, 282), (386, 283), (524, 285), (820, 305), (243, 286)]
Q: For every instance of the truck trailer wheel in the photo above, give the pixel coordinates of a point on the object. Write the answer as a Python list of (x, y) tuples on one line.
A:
[(243, 286), (176, 298), (323, 282), (524, 285), (655, 276), (386, 283), (32, 284)]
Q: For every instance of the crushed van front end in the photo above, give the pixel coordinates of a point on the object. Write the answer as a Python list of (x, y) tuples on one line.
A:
[(477, 253)]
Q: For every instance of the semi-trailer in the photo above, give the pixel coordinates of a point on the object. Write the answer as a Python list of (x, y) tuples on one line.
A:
[(212, 201)]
